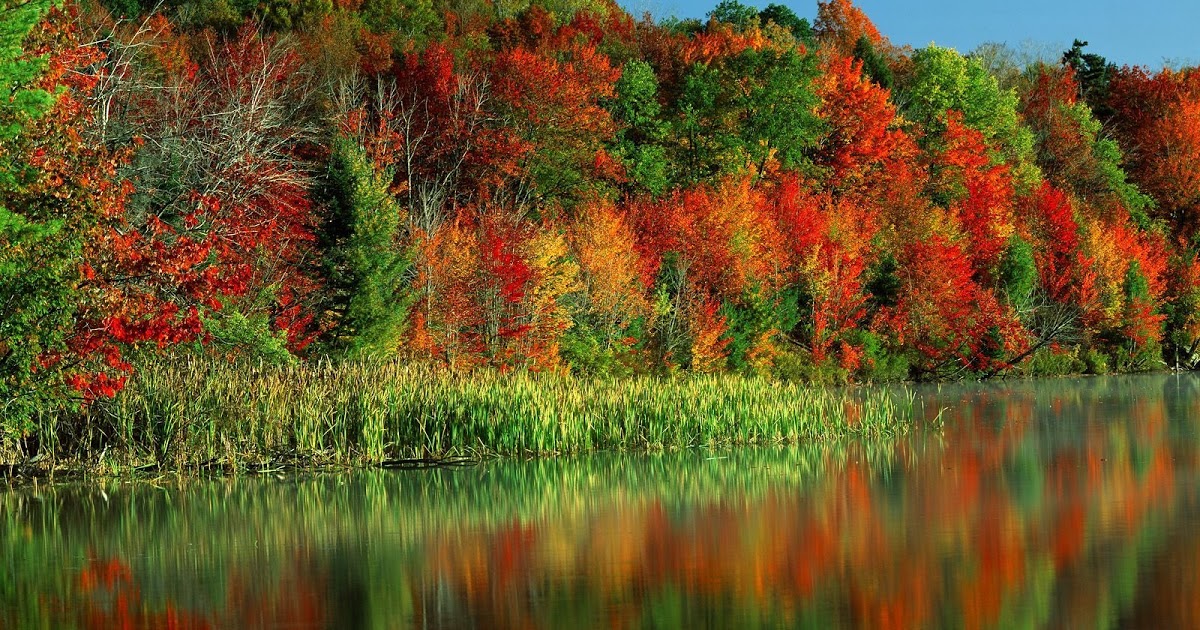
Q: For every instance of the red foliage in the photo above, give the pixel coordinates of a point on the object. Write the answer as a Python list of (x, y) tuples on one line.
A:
[(1157, 121), (980, 194), (826, 247), (945, 315), (860, 120), (1061, 263)]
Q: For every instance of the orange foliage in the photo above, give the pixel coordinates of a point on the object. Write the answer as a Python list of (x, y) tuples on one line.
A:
[(861, 124), (840, 25), (1157, 119), (980, 194), (609, 265), (707, 328)]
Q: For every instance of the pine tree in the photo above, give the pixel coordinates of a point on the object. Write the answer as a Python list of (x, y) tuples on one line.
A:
[(368, 269)]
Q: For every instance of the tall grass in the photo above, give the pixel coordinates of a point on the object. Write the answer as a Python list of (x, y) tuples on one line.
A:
[(197, 413)]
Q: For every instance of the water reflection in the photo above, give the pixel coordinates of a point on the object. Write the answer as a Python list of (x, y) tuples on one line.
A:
[(1059, 504)]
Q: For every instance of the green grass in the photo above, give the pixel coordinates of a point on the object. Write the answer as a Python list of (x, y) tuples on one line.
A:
[(193, 414)]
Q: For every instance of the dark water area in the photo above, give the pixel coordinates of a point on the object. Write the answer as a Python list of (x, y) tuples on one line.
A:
[(1055, 503)]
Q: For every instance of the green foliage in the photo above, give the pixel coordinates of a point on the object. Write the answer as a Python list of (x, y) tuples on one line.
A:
[(589, 352), (735, 13), (405, 20), (221, 15), (287, 15), (797, 366), (1108, 158), (875, 65), (234, 333), (778, 107), (1106, 176), (1095, 362), (38, 256), (38, 275), (943, 80), (368, 271), (1053, 361), (1136, 287), (124, 8), (1094, 73), (880, 363), (1018, 275), (748, 321), (883, 281), (681, 26), (740, 111), (799, 27), (17, 71), (639, 143)]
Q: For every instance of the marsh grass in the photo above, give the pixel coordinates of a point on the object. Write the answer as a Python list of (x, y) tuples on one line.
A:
[(196, 414)]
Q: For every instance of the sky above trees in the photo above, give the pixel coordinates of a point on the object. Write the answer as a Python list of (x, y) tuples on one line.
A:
[(1148, 32)]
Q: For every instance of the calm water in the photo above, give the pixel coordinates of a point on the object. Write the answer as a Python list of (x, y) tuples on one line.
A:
[(1067, 503)]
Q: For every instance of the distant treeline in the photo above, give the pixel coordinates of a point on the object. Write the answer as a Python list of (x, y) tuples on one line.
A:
[(560, 186)]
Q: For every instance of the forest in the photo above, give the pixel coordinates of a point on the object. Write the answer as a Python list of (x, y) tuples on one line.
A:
[(559, 186)]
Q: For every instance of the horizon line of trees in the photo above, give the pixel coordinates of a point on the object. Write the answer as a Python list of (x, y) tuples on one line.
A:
[(557, 185)]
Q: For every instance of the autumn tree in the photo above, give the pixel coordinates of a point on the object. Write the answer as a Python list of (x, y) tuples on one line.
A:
[(841, 25), (611, 311), (1071, 149), (953, 323), (860, 127), (37, 258), (943, 80), (552, 100), (978, 194), (217, 165), (1156, 119)]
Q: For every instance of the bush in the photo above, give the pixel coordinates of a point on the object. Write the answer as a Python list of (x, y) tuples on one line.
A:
[(1053, 361), (797, 366)]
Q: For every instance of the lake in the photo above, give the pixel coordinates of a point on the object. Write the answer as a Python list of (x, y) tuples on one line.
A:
[(1053, 503)]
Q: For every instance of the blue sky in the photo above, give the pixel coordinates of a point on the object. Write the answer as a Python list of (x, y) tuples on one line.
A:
[(1144, 32)]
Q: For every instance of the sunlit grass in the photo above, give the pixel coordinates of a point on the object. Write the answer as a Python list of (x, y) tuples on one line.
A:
[(201, 413)]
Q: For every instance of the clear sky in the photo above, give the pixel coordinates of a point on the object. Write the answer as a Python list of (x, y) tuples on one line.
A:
[(1145, 32)]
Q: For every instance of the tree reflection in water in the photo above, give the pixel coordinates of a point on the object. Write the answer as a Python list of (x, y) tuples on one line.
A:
[(1049, 503)]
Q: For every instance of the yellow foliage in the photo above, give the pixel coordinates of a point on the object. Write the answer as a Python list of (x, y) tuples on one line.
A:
[(608, 263)]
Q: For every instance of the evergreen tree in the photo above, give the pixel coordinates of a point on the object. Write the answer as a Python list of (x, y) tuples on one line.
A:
[(1093, 72), (368, 269)]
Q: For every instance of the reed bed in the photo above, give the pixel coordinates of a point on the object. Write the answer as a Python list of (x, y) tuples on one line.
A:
[(200, 413)]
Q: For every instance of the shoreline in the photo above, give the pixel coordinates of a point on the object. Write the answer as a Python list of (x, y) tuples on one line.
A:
[(200, 415), (199, 419)]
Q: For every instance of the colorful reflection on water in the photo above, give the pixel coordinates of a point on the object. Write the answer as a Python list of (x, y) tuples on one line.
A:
[(1066, 503)]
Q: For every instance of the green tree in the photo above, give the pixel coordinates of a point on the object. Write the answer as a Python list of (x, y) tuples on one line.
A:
[(639, 142), (368, 270), (741, 111), (286, 15), (38, 257), (735, 13), (785, 17), (875, 64), (406, 20), (1018, 273), (1093, 72), (944, 80)]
